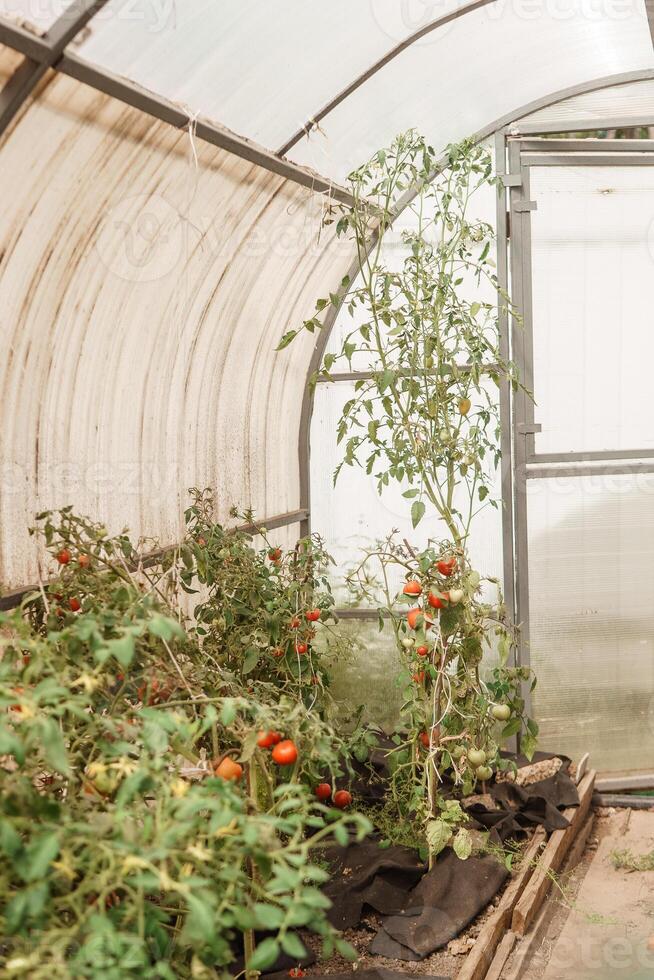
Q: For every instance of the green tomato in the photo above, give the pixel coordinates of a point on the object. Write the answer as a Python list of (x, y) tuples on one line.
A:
[(408, 642), (483, 773), (457, 752), (501, 712), (476, 757)]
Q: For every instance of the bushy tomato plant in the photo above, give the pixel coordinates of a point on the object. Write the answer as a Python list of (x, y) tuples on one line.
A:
[(144, 830)]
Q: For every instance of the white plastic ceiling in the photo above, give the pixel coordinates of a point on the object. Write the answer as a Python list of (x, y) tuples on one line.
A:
[(145, 280)]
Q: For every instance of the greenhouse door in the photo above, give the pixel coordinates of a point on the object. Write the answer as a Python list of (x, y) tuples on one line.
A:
[(582, 273)]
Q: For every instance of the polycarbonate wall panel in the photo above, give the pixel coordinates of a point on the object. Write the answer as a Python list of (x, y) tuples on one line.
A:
[(262, 69), (9, 61), (591, 579), (36, 15), (593, 263), (475, 70), (629, 103), (143, 297)]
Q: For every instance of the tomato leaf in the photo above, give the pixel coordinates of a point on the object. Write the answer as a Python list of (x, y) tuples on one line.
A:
[(293, 946), (417, 512), (264, 955)]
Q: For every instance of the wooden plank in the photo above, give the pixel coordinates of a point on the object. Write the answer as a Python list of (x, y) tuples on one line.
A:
[(504, 950), (551, 860), (529, 945), (481, 955)]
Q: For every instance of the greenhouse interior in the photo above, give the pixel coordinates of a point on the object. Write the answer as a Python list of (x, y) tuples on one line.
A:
[(326, 489)]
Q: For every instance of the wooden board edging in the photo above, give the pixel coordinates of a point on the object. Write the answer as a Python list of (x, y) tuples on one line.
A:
[(551, 859), (481, 955)]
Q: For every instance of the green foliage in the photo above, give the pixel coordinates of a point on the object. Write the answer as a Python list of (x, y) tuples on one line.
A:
[(252, 618), (124, 854), (426, 417)]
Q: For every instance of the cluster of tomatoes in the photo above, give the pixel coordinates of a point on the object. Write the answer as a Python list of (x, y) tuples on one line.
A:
[(418, 616), (301, 643), (284, 753), (342, 798), (64, 557)]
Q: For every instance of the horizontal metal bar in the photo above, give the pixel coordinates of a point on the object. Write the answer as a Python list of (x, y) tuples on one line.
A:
[(363, 614), (588, 160), (624, 802), (13, 599), (616, 784), (587, 457), (604, 469), (132, 94), (584, 145), (369, 375), (13, 36), (585, 125)]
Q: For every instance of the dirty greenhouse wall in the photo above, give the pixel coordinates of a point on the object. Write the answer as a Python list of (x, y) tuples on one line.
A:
[(146, 280)]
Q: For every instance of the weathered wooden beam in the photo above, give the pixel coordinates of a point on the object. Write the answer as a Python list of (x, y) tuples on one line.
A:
[(552, 858)]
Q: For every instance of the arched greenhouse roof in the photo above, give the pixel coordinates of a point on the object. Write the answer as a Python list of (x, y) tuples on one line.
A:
[(165, 171)]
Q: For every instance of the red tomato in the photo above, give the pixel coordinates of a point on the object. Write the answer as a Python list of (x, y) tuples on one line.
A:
[(84, 561), (266, 740), (285, 753), (229, 770), (295, 623), (64, 556), (414, 615), (74, 604), (446, 566), (424, 738), (323, 791), (342, 799), (419, 677), (275, 554), (412, 588), (276, 737), (435, 601), (422, 651), (312, 616), (301, 648), (278, 652)]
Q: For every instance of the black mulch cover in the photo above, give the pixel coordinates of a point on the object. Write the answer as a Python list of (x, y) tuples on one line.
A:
[(423, 910)]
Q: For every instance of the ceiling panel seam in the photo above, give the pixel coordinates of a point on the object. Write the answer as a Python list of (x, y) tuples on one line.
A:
[(28, 75), (314, 121)]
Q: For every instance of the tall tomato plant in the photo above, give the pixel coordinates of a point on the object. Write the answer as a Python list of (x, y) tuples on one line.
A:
[(425, 415)]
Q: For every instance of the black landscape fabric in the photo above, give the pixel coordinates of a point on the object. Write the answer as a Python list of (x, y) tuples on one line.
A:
[(423, 910)]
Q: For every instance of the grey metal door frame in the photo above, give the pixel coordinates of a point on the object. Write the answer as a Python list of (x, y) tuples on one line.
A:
[(515, 157)]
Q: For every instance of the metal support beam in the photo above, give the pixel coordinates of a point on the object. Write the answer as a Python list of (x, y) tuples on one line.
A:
[(29, 74), (49, 53), (13, 599)]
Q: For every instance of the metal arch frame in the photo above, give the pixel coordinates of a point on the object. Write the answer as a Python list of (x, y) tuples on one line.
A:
[(28, 75), (500, 130), (361, 79)]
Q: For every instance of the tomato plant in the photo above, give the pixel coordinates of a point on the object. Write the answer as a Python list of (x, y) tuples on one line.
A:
[(425, 415), (144, 832)]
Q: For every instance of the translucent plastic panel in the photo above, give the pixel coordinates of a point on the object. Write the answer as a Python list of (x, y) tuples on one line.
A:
[(593, 262), (262, 69), (477, 69), (591, 583), (352, 516), (143, 297), (9, 62), (629, 103), (369, 677), (37, 15)]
